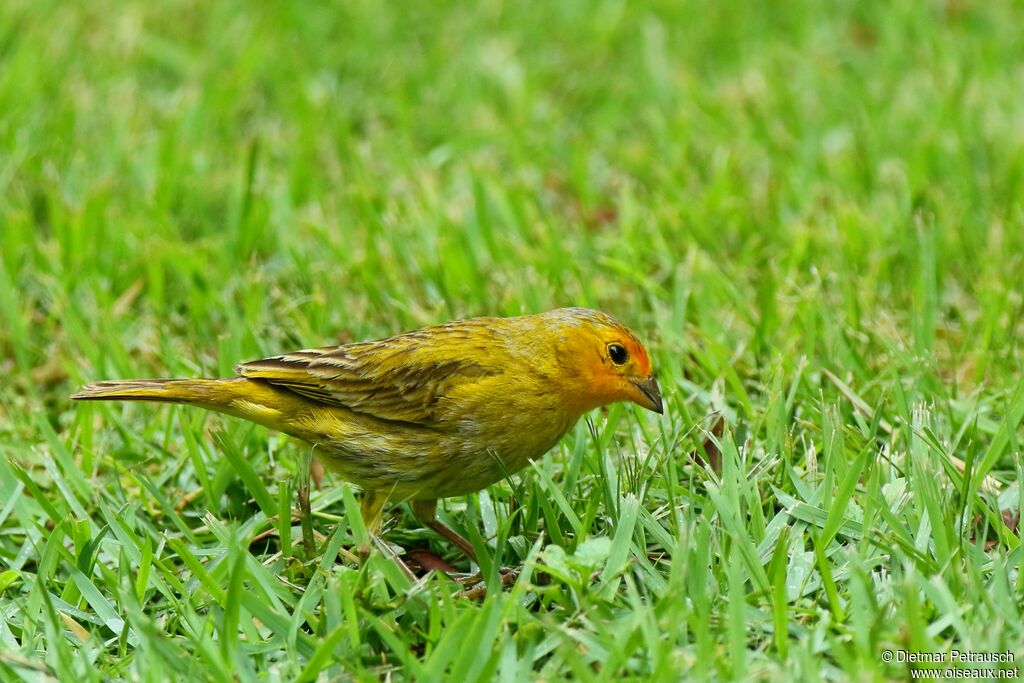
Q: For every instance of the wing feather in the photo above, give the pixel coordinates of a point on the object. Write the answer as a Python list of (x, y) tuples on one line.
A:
[(405, 378)]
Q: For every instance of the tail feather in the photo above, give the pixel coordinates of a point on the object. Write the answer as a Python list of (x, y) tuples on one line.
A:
[(239, 396), (198, 391)]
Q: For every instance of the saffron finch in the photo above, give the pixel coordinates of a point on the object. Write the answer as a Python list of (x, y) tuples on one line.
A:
[(438, 412)]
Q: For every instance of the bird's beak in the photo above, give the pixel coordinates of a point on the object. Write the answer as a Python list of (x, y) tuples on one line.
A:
[(649, 395)]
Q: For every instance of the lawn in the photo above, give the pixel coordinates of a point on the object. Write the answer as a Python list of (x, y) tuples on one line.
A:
[(813, 213)]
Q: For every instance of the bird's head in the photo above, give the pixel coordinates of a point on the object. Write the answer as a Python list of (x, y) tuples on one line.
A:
[(605, 360)]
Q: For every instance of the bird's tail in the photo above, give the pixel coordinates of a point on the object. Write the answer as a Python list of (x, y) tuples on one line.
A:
[(214, 394), (239, 396), (165, 391)]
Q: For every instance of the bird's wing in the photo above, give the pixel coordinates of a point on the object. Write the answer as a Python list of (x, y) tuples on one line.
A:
[(404, 378)]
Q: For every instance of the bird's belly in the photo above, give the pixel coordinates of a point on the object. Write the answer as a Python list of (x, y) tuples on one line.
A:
[(484, 456), (415, 462)]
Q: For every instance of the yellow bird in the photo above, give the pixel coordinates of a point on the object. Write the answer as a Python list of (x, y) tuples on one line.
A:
[(438, 412)]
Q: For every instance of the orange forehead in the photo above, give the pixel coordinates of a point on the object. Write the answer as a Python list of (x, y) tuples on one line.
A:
[(619, 334), (639, 355), (596, 328)]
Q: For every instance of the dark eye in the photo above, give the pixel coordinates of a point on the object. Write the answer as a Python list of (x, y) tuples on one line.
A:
[(618, 353)]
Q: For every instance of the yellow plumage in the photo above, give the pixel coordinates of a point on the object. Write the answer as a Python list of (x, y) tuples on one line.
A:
[(439, 412)]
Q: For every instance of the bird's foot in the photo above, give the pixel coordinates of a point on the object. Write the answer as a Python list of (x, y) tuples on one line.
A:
[(475, 587)]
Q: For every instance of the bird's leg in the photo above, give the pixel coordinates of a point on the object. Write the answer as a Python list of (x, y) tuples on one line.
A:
[(316, 471), (426, 510), (371, 507), (305, 513)]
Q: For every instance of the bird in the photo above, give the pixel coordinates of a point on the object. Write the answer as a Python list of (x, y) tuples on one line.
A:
[(438, 412)]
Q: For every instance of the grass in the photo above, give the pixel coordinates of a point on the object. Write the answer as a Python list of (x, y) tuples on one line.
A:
[(812, 212)]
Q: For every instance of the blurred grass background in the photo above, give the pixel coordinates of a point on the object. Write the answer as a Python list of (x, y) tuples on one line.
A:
[(811, 210)]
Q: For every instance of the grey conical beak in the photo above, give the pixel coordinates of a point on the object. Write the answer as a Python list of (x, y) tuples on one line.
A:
[(651, 394)]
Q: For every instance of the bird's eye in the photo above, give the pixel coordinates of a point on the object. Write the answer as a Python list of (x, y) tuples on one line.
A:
[(618, 353)]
